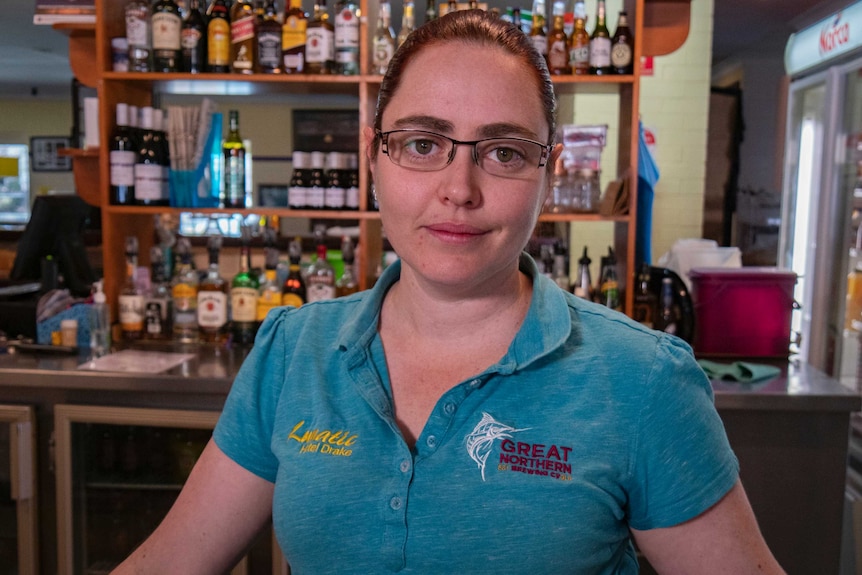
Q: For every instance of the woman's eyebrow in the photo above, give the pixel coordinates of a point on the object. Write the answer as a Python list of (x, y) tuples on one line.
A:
[(430, 123), (506, 129)]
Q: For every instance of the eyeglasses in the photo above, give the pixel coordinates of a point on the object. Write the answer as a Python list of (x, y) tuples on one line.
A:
[(428, 152)]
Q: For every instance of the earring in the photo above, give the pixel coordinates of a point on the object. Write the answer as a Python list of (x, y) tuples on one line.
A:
[(373, 192)]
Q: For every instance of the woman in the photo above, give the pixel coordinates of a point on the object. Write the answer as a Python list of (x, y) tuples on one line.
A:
[(465, 414)]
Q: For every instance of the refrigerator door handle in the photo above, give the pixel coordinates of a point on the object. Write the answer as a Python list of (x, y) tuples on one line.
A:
[(22, 461)]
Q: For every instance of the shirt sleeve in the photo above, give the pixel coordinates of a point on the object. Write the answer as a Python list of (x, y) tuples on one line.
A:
[(244, 429), (682, 462)]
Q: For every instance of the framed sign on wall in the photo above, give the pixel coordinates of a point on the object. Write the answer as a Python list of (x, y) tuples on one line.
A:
[(44, 151)]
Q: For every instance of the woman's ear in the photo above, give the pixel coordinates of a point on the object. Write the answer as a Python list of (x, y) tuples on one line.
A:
[(368, 137)]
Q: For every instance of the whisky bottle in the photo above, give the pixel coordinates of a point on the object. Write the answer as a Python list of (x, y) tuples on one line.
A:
[(293, 38), (122, 160), (538, 33), (184, 293), (622, 47), (167, 32), (384, 39), (218, 38), (158, 304), (243, 34), (347, 283), (558, 42), (269, 41), (194, 40), (243, 299), (320, 279), (269, 294), (408, 22), (297, 191), (320, 42), (212, 297), (347, 38), (600, 44), (139, 35), (294, 292), (579, 43), (233, 151), (131, 299)]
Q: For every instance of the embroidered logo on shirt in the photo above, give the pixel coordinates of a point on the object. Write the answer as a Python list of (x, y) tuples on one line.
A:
[(540, 459), (327, 441)]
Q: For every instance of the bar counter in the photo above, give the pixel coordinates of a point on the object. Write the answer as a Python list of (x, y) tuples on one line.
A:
[(790, 434)]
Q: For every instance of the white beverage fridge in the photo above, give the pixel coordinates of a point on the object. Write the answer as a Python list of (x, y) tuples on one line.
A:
[(822, 191)]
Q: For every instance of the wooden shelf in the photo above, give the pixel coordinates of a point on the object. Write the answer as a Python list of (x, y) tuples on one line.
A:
[(85, 167)]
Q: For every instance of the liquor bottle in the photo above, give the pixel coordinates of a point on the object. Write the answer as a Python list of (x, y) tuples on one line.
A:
[(583, 287), (347, 283), (243, 299), (294, 292), (320, 42), (600, 44), (609, 287), (293, 38), (212, 298), (243, 34), (218, 38), (644, 310), (269, 41), (160, 145), (335, 194), (269, 294), (194, 40), (351, 200), (320, 279), (430, 11), (167, 33), (407, 22), (184, 293), (384, 39), (131, 300), (233, 151), (558, 42), (149, 175), (667, 319), (122, 160), (622, 47), (297, 191), (139, 35), (347, 38), (316, 191), (538, 33), (579, 43), (158, 303), (100, 323)]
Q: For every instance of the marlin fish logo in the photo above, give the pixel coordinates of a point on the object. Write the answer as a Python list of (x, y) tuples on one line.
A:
[(481, 440)]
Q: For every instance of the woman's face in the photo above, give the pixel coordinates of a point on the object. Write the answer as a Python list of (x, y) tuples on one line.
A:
[(461, 226)]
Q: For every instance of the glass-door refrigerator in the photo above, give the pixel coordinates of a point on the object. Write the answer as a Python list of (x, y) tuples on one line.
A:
[(19, 552), (820, 235)]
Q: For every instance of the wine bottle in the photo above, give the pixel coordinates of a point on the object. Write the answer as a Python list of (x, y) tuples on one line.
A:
[(122, 160), (149, 177), (167, 33), (234, 165), (600, 44)]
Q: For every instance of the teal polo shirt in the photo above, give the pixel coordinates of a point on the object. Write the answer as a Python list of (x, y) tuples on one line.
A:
[(589, 425)]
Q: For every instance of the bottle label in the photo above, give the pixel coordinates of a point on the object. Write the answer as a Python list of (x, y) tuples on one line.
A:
[(297, 197), (621, 55), (541, 44), (600, 52), (319, 290), (218, 42), (319, 45), (242, 29), (268, 299), (558, 56), (234, 178), (166, 31), (148, 181), (191, 37), (383, 50), (131, 309), (156, 316), (212, 309), (315, 197), (122, 168), (243, 301), (579, 57), (137, 29), (346, 29), (351, 200), (335, 198), (293, 33), (269, 49), (291, 299)]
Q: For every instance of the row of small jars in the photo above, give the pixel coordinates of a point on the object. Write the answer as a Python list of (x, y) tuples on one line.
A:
[(574, 190)]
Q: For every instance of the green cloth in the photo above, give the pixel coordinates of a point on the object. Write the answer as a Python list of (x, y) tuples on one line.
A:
[(743, 371)]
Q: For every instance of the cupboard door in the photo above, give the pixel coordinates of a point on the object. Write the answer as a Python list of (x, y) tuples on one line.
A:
[(19, 553), (119, 470)]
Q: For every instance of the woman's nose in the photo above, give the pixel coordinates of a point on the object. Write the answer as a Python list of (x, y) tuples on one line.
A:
[(461, 179)]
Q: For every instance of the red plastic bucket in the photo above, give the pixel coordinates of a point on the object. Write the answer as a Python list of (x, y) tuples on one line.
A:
[(742, 311)]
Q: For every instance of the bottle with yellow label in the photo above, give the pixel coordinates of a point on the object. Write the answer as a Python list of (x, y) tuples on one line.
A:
[(184, 292), (293, 38), (218, 38)]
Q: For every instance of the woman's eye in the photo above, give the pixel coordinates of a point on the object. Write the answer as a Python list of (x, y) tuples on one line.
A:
[(422, 146)]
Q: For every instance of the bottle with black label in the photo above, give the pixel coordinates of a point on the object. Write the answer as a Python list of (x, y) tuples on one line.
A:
[(269, 41), (158, 303), (122, 160), (622, 47)]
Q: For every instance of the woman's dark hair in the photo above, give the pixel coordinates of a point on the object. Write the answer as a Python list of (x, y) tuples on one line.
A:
[(468, 26)]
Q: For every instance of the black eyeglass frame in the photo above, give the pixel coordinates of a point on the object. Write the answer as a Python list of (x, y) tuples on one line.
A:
[(384, 147)]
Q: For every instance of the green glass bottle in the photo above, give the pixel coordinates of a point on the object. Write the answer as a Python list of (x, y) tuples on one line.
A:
[(243, 298), (234, 165)]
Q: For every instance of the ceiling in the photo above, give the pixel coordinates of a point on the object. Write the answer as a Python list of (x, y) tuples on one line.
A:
[(35, 60)]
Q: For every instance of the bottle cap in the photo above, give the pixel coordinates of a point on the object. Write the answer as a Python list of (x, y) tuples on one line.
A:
[(99, 296)]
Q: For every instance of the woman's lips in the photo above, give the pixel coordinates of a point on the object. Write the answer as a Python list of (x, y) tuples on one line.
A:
[(454, 232)]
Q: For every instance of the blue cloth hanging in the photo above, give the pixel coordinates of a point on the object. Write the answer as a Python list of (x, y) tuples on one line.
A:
[(648, 175)]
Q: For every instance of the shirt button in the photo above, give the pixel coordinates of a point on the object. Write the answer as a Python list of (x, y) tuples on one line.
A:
[(475, 383), (449, 408), (431, 441), (395, 503), (405, 466)]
